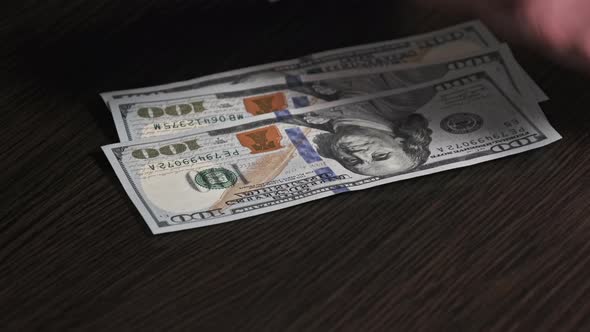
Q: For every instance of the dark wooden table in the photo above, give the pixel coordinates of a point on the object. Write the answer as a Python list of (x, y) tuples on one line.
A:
[(501, 246)]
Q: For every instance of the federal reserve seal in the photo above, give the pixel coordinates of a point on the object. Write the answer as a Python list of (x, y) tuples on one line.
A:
[(216, 178), (461, 123)]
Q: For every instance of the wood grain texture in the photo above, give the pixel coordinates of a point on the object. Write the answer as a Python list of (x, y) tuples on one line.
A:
[(500, 246)]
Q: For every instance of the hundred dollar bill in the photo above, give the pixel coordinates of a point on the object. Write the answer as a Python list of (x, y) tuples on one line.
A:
[(166, 114), (437, 45), (282, 159)]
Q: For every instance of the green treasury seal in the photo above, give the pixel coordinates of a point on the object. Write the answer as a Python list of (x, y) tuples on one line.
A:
[(461, 123), (216, 178)]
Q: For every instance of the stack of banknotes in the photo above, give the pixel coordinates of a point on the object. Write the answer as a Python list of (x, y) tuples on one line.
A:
[(250, 141)]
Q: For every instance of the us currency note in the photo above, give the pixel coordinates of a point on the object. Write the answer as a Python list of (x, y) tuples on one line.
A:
[(281, 159), (171, 113), (437, 45)]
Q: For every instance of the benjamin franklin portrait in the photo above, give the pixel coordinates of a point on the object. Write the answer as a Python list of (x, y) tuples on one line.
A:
[(379, 137)]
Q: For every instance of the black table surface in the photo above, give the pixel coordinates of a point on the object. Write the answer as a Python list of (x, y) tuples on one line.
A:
[(500, 246)]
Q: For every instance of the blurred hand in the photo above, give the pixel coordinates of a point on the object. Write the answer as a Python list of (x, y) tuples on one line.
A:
[(560, 27)]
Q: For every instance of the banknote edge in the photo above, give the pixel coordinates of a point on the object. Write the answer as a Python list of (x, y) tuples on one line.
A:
[(487, 37)]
